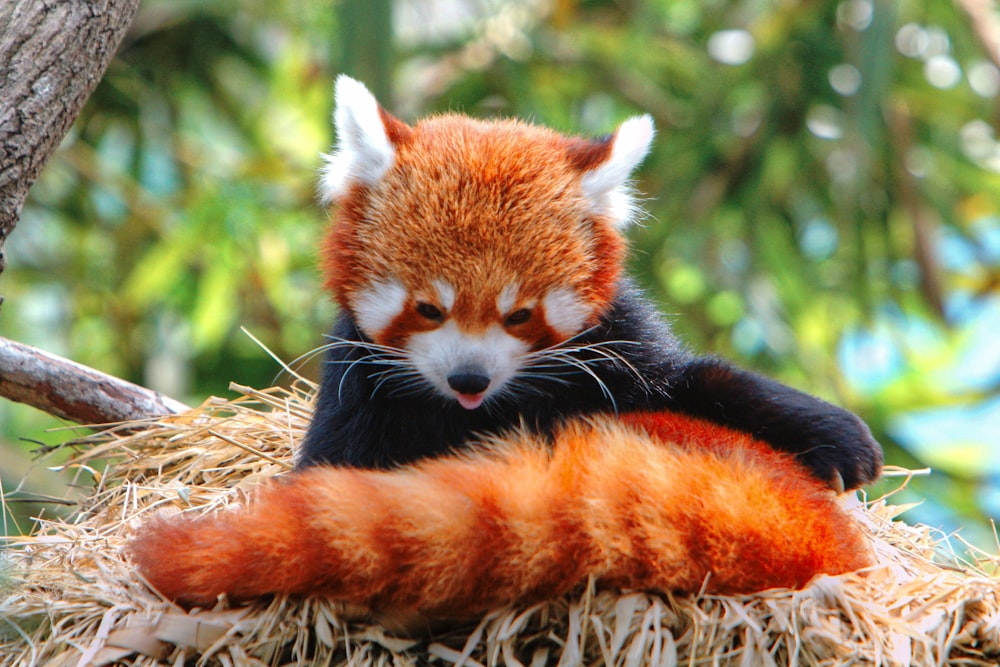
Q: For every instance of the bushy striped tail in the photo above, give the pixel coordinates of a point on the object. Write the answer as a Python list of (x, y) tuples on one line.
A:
[(518, 522)]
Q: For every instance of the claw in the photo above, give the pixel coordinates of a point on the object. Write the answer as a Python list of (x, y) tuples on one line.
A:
[(837, 482)]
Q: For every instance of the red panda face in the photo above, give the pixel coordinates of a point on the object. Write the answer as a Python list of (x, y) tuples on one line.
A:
[(466, 245)]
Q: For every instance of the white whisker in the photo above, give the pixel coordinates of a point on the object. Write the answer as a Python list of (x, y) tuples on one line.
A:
[(394, 362), (392, 371), (568, 358)]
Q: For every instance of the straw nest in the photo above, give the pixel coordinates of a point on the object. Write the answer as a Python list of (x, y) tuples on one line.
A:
[(76, 601)]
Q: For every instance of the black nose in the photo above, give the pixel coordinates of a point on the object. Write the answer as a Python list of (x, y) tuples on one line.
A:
[(468, 383)]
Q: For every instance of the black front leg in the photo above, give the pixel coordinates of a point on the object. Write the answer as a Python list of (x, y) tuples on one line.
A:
[(344, 428), (836, 445), (347, 427)]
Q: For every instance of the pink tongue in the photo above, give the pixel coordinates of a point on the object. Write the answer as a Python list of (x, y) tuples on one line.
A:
[(470, 401)]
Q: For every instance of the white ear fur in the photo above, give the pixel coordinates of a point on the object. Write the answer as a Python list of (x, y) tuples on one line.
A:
[(607, 185), (363, 151)]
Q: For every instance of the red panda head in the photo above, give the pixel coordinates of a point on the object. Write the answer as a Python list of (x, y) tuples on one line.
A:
[(467, 244)]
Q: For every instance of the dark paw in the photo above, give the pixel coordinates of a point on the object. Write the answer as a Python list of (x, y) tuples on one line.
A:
[(839, 448), (833, 443)]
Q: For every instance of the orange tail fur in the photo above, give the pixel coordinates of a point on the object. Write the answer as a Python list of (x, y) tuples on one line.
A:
[(518, 523)]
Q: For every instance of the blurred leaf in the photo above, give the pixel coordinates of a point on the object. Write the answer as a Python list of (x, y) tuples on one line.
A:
[(156, 273), (215, 304)]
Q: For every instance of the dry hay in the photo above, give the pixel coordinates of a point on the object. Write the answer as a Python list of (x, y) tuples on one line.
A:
[(76, 600)]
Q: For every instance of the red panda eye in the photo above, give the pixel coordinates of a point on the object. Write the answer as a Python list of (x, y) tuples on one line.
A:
[(519, 316), (430, 311)]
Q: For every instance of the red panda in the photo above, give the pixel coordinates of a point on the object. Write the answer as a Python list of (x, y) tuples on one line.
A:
[(478, 270), (459, 535)]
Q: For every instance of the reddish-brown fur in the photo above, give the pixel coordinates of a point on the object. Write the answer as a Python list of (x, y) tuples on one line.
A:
[(481, 205), (521, 522)]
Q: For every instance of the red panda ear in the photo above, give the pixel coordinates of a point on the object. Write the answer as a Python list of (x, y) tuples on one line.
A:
[(367, 137), (607, 166)]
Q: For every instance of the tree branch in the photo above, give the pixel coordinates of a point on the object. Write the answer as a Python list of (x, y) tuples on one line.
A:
[(52, 55), (924, 226), (73, 391)]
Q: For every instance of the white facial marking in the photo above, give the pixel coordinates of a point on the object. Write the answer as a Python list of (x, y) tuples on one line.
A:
[(377, 305), (607, 185), (507, 299), (445, 292), (565, 312), (447, 350), (363, 151)]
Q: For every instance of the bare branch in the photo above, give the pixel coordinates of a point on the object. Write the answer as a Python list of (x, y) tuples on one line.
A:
[(73, 391)]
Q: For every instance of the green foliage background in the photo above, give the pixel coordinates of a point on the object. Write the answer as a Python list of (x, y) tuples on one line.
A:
[(823, 196)]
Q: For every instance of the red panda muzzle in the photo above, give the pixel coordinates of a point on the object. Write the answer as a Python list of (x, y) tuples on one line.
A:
[(470, 385)]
